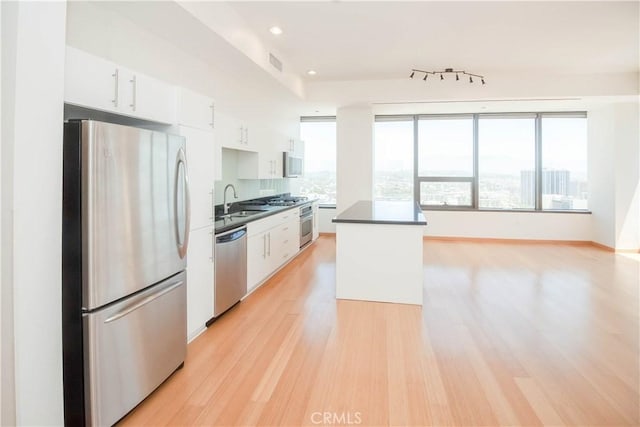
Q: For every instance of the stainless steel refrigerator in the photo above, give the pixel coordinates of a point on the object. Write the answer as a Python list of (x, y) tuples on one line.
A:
[(125, 237)]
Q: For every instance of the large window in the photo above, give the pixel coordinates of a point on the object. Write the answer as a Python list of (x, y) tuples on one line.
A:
[(507, 162), (393, 176), (564, 162), (511, 161), (319, 180), (445, 161)]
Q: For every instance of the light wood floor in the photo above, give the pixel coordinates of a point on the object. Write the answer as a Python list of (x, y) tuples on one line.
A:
[(510, 334)]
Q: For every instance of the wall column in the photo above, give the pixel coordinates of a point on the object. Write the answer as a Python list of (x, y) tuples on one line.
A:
[(354, 152), (33, 50)]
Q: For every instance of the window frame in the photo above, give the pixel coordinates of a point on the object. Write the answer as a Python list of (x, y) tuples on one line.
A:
[(474, 179), (323, 119)]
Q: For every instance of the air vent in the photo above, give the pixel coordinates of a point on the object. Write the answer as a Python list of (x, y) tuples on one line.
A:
[(275, 62)]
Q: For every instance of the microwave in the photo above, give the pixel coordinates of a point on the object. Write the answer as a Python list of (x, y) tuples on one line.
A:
[(292, 165)]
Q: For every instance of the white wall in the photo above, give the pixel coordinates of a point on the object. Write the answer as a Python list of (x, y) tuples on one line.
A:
[(354, 155), (7, 383), (509, 225), (32, 208), (614, 175), (601, 124), (627, 176)]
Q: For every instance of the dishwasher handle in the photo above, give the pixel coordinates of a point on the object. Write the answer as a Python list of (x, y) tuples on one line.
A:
[(231, 236)]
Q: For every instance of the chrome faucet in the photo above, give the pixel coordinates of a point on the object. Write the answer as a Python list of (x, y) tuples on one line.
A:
[(225, 207)]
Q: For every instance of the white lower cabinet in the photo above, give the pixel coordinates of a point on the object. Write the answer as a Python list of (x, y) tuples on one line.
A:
[(200, 280), (272, 242)]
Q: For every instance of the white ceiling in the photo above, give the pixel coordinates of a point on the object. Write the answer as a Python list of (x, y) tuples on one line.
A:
[(379, 40)]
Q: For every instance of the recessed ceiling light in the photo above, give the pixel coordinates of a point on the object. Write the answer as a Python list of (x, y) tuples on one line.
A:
[(275, 30), (312, 72)]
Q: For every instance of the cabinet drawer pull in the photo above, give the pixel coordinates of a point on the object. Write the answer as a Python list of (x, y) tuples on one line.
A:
[(116, 77), (134, 89)]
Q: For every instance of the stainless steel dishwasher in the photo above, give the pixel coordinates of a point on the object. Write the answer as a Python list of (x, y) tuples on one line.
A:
[(231, 269)]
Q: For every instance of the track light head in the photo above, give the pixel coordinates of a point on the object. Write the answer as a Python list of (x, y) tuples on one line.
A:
[(413, 73), (470, 79), (425, 76), (457, 77), (482, 81), (441, 76)]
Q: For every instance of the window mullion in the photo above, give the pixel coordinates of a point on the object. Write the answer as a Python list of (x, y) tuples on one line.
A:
[(538, 160), (416, 181), (475, 190)]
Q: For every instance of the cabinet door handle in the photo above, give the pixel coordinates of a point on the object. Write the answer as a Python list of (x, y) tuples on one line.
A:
[(269, 246), (246, 135), (213, 244), (134, 89), (264, 246), (116, 78), (213, 115), (213, 207), (241, 134)]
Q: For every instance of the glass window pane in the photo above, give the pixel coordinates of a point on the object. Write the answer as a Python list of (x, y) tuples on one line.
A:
[(564, 163), (507, 163), (445, 193), (393, 173), (319, 180), (445, 147)]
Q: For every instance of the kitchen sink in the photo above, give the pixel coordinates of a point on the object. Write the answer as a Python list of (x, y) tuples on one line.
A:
[(239, 214)]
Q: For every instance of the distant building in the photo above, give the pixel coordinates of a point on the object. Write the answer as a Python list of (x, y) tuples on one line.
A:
[(554, 181)]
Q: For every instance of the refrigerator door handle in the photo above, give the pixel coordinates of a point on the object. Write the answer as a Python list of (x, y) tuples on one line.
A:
[(182, 246), (143, 302)]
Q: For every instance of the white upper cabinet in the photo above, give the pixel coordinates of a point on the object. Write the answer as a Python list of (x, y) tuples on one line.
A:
[(235, 133), (94, 82), (196, 110), (149, 98), (295, 147), (91, 81), (266, 163)]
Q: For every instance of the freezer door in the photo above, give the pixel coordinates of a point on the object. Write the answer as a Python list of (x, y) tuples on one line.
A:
[(131, 347), (135, 210)]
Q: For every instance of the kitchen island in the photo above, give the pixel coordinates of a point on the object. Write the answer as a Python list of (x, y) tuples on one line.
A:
[(379, 252)]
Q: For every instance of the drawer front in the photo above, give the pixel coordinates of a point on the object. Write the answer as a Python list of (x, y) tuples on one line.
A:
[(262, 225), (131, 347)]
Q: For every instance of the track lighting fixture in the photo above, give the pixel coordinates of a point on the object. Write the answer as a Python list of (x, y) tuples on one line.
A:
[(446, 71)]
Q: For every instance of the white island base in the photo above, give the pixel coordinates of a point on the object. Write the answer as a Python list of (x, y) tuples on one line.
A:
[(379, 262)]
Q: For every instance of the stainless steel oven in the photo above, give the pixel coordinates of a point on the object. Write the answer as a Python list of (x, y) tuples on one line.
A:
[(306, 224)]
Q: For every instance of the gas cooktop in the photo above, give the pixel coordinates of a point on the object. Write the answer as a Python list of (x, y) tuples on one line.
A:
[(285, 201), (276, 201)]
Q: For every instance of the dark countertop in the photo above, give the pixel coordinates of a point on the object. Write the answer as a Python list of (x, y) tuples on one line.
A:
[(228, 223), (382, 212)]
